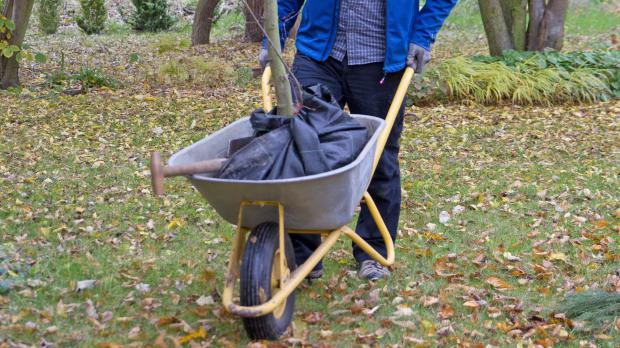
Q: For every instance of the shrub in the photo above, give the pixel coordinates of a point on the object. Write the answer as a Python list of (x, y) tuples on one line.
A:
[(49, 16), (93, 17), (209, 72), (170, 44), (86, 77), (60, 77), (89, 78), (151, 15), (524, 78)]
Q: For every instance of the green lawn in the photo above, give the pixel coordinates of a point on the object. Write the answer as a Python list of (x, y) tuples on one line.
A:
[(537, 186)]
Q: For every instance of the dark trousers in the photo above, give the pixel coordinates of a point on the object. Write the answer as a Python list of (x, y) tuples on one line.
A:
[(366, 90)]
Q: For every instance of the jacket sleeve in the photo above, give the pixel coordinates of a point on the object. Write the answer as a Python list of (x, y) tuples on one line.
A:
[(288, 10), (428, 22)]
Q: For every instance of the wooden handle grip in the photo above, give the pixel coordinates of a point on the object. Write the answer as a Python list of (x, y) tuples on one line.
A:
[(212, 165), (159, 172)]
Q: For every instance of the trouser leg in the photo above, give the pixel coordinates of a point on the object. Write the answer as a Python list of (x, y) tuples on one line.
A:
[(309, 72), (366, 95)]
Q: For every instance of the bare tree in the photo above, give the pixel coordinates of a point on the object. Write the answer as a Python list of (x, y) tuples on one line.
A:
[(18, 11), (507, 25), (203, 21)]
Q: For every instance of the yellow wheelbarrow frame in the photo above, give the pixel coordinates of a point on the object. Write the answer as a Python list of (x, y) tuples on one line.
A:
[(288, 281)]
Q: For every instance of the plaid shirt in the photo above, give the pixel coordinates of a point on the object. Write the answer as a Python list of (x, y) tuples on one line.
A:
[(361, 32)]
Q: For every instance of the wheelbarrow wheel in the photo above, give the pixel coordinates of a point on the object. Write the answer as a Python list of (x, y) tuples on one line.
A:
[(259, 280)]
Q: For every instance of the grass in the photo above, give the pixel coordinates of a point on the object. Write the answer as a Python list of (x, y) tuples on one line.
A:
[(90, 220), (590, 22)]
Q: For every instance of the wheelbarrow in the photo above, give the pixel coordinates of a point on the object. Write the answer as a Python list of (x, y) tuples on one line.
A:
[(266, 212)]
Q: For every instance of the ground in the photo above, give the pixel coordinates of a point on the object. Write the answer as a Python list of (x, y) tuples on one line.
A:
[(531, 191)]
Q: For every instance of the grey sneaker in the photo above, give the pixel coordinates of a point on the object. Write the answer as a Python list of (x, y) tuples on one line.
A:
[(372, 270), (315, 274)]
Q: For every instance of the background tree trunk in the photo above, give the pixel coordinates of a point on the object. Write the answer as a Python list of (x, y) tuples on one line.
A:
[(203, 21), (252, 29), (553, 22), (546, 26), (515, 15), (19, 12), (498, 36), (279, 75), (507, 27), (536, 10)]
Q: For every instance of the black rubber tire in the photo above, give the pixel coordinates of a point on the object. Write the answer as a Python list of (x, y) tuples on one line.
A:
[(256, 268)]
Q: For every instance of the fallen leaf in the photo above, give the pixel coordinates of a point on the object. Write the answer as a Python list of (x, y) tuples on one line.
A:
[(558, 256), (498, 283), (85, 284), (446, 312), (403, 311), (200, 333), (205, 301), (471, 304), (134, 333), (430, 300), (313, 317)]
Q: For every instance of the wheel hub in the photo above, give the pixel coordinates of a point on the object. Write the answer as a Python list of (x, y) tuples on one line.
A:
[(278, 279)]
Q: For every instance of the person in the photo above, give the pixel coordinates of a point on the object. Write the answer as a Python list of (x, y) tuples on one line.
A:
[(359, 49)]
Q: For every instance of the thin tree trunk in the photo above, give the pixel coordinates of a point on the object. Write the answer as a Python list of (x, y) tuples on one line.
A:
[(279, 75), (553, 22), (203, 21), (515, 15), (19, 12), (495, 27), (252, 29), (7, 12), (536, 9)]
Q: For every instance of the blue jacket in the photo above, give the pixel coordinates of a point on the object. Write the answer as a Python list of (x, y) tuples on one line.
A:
[(405, 24)]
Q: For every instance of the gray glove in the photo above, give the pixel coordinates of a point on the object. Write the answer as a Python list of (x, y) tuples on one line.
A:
[(263, 58), (417, 58)]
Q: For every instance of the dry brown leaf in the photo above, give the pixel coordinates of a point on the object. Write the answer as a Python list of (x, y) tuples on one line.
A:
[(313, 317), (471, 304), (498, 283), (446, 312), (430, 300)]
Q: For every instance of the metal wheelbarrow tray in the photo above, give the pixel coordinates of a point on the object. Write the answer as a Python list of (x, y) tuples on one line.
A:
[(317, 202)]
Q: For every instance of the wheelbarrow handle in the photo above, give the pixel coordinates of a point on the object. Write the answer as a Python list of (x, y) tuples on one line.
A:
[(267, 104), (397, 102), (159, 171)]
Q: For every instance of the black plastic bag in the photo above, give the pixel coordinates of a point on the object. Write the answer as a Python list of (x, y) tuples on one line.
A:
[(320, 138)]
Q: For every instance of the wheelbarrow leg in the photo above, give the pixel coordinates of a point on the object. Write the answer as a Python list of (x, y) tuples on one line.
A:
[(389, 243)]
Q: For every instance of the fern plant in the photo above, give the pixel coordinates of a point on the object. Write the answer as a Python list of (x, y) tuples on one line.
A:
[(596, 310), (93, 16), (151, 15)]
